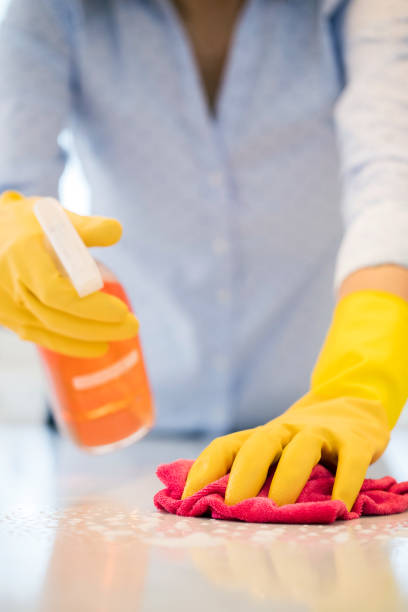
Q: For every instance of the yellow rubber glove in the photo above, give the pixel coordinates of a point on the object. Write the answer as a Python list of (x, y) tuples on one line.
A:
[(358, 389), (38, 302)]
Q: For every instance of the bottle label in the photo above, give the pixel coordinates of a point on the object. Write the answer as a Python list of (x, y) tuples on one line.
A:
[(88, 381)]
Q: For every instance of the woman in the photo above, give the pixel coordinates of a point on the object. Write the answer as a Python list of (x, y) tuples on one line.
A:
[(215, 132)]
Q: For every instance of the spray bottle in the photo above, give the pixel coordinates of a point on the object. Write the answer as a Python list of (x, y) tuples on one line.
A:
[(103, 403)]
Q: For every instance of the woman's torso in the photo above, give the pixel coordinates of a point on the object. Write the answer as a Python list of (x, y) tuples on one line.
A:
[(231, 224)]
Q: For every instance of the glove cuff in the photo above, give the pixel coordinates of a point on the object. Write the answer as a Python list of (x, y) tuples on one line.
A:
[(365, 353)]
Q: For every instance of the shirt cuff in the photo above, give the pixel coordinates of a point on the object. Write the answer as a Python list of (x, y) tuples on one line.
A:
[(377, 236)]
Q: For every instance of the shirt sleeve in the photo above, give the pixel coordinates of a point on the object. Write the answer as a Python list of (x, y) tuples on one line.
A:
[(34, 96), (372, 125)]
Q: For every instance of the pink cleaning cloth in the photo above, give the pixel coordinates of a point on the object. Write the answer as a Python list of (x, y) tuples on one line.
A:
[(381, 496)]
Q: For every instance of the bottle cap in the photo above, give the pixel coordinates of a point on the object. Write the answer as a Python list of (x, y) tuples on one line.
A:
[(72, 253)]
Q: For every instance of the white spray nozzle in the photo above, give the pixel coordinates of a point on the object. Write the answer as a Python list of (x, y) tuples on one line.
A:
[(68, 246)]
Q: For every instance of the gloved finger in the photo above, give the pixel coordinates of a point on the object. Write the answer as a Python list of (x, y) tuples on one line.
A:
[(352, 466), (9, 197), (214, 462), (13, 315), (252, 463), (294, 468), (65, 324), (55, 290), (62, 344), (95, 230)]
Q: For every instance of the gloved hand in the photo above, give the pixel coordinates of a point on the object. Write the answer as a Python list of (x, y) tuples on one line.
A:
[(358, 389), (38, 302)]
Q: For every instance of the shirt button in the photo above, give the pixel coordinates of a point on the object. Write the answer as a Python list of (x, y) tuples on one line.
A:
[(223, 296), (215, 179), (220, 246)]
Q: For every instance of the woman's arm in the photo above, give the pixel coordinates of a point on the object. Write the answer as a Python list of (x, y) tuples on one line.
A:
[(371, 119), (389, 278), (36, 301), (35, 73)]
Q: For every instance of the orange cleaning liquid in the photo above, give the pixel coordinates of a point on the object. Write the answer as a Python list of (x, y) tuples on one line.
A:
[(104, 402)]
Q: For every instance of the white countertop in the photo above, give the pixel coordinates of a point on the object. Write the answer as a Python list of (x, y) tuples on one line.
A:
[(80, 533)]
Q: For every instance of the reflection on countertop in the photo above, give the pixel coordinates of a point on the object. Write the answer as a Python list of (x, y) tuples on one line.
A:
[(79, 532)]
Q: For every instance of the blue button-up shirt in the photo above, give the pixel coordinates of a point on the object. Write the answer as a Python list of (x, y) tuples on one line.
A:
[(232, 222)]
